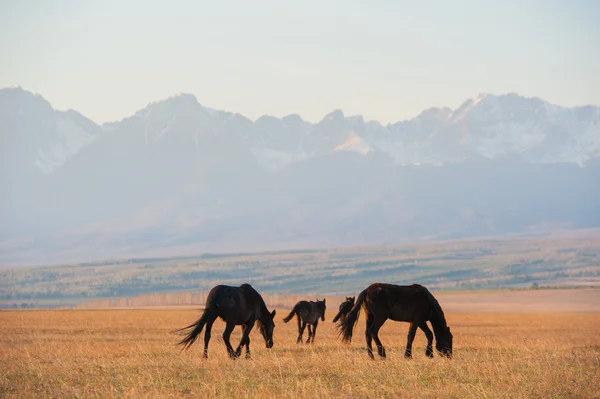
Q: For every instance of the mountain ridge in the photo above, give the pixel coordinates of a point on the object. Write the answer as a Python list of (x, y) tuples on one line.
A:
[(487, 125), (179, 175)]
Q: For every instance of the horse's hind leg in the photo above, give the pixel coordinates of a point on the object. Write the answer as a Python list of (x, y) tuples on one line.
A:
[(299, 320), (226, 335), (300, 332), (314, 332), (377, 323), (248, 356), (368, 337), (429, 351), (412, 330), (207, 334), (310, 333)]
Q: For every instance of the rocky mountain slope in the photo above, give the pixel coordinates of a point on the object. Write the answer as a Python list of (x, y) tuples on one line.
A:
[(181, 177)]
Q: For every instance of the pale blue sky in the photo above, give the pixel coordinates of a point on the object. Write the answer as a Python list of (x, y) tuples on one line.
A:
[(387, 60)]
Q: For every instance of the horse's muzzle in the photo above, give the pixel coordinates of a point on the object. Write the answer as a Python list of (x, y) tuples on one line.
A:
[(269, 344)]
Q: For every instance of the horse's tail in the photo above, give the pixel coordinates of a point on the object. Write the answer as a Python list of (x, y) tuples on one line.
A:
[(198, 325), (348, 323), (337, 316), (292, 313), (343, 310)]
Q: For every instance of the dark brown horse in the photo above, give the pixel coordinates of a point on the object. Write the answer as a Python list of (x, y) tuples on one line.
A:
[(345, 308), (411, 303), (307, 313), (235, 306)]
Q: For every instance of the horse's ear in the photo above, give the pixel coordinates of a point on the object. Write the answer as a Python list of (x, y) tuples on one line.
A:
[(273, 313), (324, 299)]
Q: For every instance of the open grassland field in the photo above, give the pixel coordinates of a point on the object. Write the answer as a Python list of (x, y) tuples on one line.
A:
[(568, 259), (131, 353)]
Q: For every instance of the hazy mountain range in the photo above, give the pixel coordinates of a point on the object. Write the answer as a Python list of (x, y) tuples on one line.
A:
[(178, 177)]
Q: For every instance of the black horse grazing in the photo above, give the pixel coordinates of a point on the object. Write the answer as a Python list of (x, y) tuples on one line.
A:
[(307, 313), (412, 303), (345, 308), (235, 306)]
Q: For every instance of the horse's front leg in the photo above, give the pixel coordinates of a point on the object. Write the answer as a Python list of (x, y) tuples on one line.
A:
[(429, 335), (246, 328), (310, 332), (412, 330), (238, 351), (226, 336)]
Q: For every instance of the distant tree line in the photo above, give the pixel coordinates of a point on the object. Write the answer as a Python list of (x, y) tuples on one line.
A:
[(199, 298)]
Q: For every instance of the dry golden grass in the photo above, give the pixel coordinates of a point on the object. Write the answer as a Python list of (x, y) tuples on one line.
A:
[(130, 353)]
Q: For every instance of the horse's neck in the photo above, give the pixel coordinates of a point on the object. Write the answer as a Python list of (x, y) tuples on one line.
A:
[(438, 322), (262, 309)]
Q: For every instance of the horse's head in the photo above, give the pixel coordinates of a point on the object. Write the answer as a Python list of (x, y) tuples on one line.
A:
[(345, 308), (443, 343), (266, 328), (321, 306)]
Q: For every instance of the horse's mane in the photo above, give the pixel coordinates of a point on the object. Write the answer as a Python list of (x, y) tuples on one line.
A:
[(248, 288), (438, 319), (261, 302)]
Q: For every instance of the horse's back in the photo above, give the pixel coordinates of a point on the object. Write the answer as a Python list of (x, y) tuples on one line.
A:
[(307, 311), (393, 287), (244, 291), (237, 304), (398, 302)]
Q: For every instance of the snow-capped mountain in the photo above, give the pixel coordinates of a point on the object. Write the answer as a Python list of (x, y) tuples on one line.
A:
[(179, 175), (42, 137), (489, 126), (495, 127)]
